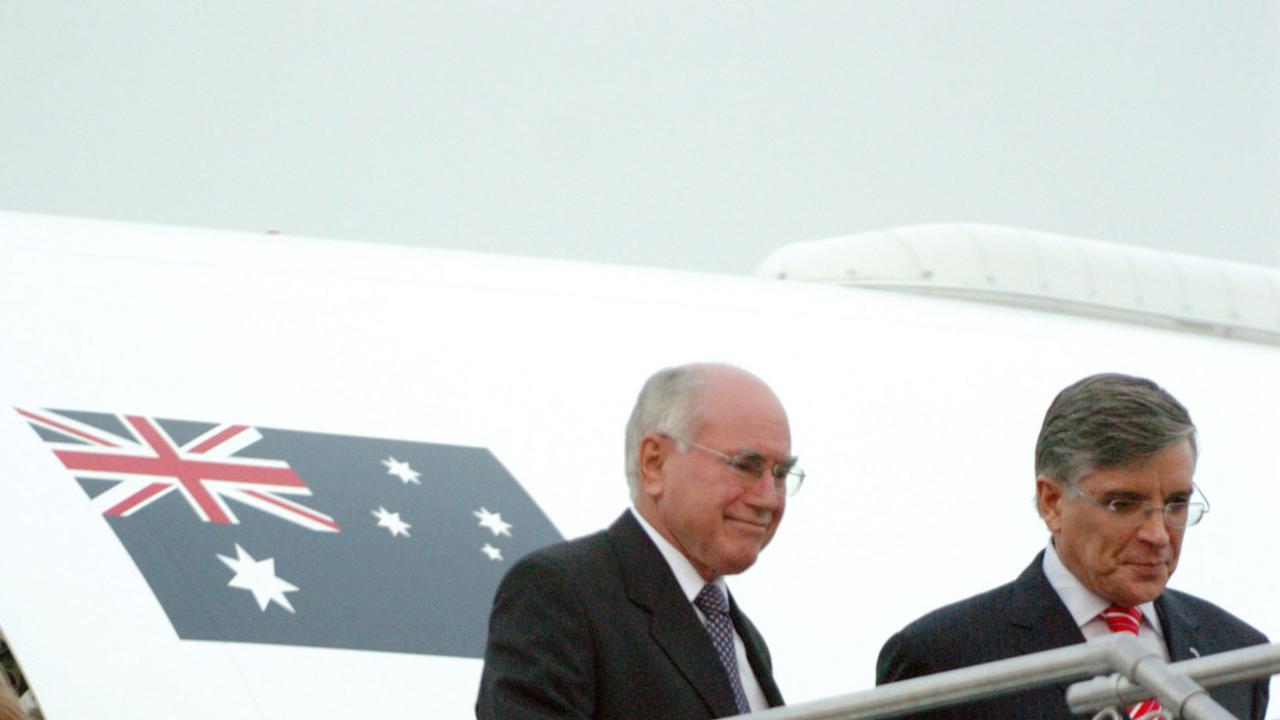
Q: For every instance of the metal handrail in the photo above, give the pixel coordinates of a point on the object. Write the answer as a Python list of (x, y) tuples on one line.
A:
[(956, 686), (1175, 685), (1210, 671)]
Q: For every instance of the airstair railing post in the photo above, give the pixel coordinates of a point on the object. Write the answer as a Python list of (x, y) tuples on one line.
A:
[(1177, 693), (1209, 671)]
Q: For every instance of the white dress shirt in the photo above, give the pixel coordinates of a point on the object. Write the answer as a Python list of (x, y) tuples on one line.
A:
[(1085, 606), (691, 583)]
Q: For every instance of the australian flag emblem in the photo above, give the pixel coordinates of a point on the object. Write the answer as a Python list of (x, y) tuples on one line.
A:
[(251, 534)]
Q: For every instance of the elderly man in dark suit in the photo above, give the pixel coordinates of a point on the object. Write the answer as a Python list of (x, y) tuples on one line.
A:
[(1114, 463), (635, 621)]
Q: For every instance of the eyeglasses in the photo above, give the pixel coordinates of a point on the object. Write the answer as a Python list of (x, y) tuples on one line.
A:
[(1132, 513), (751, 466)]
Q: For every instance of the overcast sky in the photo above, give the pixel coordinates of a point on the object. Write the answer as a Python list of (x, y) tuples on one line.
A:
[(675, 134)]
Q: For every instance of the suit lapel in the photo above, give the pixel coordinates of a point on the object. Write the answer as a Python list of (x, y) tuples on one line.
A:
[(1039, 618), (673, 623), (1179, 627), (757, 654), (1042, 622)]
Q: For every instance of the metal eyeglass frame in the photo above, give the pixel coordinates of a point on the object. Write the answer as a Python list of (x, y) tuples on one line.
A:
[(1147, 508), (743, 463)]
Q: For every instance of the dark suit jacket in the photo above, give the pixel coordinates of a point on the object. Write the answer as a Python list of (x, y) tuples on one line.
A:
[(599, 628), (1027, 616)]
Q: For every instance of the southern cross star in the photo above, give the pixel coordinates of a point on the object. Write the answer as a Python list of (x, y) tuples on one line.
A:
[(259, 578), (392, 522), (402, 470), (493, 521)]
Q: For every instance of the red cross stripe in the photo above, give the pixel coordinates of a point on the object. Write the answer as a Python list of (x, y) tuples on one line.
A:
[(204, 471)]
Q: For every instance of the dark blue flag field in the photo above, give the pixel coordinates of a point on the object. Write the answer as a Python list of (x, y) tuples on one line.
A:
[(279, 536)]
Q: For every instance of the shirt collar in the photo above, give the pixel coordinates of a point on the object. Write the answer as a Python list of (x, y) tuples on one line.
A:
[(690, 581), (1081, 602)]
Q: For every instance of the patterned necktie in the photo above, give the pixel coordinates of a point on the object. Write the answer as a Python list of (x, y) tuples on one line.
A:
[(712, 603), (1126, 620)]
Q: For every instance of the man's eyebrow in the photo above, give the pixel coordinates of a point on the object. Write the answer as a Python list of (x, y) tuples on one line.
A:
[(1122, 494), (749, 454)]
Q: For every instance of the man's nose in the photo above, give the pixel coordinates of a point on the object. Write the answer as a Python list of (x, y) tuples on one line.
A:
[(1153, 529), (765, 492)]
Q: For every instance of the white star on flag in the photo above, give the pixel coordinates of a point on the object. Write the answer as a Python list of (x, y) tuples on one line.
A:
[(402, 470), (493, 521), (392, 522), (259, 578), (493, 552)]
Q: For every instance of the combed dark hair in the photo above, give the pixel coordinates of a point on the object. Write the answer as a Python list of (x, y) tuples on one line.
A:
[(1108, 420)]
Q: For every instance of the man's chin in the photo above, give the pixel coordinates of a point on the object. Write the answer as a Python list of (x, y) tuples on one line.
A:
[(1143, 588), (738, 563)]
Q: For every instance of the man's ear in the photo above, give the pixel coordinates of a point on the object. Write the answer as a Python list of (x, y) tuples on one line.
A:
[(652, 460), (1048, 499)]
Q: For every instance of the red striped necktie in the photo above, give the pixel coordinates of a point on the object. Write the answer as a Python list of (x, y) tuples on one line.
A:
[(1126, 620)]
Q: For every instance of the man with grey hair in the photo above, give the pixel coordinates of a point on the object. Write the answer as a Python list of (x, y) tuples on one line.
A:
[(635, 621), (1114, 466)]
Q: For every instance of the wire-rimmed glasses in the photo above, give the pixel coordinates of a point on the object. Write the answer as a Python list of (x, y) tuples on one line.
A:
[(1132, 513), (752, 466)]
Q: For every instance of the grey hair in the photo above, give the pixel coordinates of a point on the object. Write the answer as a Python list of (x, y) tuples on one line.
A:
[(668, 403), (1108, 420)]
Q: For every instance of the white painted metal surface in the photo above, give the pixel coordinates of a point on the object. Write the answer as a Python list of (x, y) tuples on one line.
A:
[(1051, 272), (914, 416)]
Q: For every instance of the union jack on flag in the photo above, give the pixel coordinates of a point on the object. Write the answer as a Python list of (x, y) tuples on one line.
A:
[(391, 545), (147, 465)]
